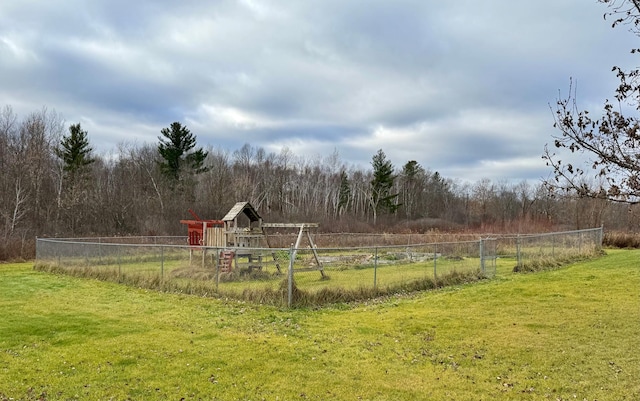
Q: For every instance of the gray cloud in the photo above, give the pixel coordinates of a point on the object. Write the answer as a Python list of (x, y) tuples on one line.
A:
[(462, 87)]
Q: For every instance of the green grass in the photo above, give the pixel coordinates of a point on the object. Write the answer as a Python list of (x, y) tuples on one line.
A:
[(567, 334)]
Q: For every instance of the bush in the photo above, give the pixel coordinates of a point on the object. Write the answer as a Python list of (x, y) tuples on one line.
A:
[(622, 240), (549, 263)]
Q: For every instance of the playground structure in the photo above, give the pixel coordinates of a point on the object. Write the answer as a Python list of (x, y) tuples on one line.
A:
[(243, 241)]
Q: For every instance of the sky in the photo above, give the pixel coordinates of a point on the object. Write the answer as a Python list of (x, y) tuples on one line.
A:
[(463, 87)]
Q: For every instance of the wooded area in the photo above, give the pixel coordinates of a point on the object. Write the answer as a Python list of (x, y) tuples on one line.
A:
[(53, 184)]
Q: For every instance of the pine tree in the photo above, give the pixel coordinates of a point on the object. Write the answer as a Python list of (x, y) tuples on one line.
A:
[(412, 184), (74, 187), (382, 184), (175, 147), (344, 196), (74, 151)]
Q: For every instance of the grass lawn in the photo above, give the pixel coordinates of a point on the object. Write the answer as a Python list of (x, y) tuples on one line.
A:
[(568, 334)]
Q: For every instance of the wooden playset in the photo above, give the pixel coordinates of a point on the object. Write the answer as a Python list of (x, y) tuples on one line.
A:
[(242, 237)]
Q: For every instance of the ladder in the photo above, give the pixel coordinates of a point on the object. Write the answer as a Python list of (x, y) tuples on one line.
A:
[(226, 261)]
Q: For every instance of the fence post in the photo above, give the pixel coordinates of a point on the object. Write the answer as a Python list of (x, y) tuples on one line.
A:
[(59, 252), (99, 250), (217, 259), (85, 248), (290, 275), (580, 242), (375, 268), (600, 238), (119, 264), (435, 262), (518, 253), (161, 263), (482, 267)]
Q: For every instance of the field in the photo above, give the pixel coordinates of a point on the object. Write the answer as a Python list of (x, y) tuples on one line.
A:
[(567, 334)]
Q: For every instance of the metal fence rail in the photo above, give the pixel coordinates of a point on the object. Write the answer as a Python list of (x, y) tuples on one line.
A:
[(302, 276)]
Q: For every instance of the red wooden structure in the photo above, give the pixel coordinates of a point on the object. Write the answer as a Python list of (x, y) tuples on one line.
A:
[(197, 228)]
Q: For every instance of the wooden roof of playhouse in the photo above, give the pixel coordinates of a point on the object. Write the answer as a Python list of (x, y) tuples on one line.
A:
[(242, 207)]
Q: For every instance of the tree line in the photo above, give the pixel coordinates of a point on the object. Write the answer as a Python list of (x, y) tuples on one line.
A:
[(53, 183)]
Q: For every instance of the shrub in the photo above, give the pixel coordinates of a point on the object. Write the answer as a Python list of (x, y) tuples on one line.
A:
[(623, 240), (552, 263)]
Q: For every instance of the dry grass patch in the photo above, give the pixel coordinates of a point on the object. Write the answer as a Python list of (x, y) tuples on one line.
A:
[(623, 240)]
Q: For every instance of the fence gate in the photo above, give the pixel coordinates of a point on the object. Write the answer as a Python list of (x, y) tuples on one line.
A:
[(488, 256)]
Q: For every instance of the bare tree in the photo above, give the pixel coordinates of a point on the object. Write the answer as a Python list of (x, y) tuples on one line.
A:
[(35, 163), (8, 126), (18, 207), (505, 203), (612, 140), (483, 194)]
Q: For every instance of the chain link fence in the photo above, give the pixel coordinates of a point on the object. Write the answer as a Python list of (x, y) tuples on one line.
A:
[(287, 276), (534, 252)]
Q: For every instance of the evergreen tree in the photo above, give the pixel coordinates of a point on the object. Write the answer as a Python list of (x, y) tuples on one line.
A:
[(74, 151), (75, 184), (438, 193), (344, 197), (176, 148), (382, 184), (412, 184)]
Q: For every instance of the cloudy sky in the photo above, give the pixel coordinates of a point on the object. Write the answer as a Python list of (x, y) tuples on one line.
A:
[(463, 87)]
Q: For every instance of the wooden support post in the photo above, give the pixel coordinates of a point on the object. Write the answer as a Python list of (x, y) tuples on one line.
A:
[(295, 249), (303, 229), (315, 253), (273, 254)]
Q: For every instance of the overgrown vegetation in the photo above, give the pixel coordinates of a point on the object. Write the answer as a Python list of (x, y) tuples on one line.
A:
[(336, 295), (533, 265), (623, 240), (247, 286)]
